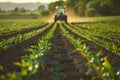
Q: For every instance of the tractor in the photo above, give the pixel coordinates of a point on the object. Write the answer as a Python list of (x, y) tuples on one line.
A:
[(60, 14)]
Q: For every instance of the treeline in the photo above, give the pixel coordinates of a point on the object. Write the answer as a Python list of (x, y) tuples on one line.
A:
[(90, 7), (95, 7), (41, 11), (81, 7)]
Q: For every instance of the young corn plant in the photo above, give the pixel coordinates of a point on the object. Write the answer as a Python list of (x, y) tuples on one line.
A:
[(32, 62), (12, 26), (5, 44), (95, 63), (101, 32), (109, 46)]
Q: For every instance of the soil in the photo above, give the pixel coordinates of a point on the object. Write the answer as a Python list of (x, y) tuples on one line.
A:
[(62, 62), (64, 59), (13, 54)]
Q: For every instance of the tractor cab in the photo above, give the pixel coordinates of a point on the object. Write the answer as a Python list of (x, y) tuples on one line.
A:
[(60, 14)]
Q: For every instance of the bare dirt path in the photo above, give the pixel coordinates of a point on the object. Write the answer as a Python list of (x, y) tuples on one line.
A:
[(63, 60), (21, 32), (14, 53)]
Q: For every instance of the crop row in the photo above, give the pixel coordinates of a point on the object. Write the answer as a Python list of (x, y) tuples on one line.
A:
[(12, 26), (95, 62), (97, 29), (95, 33), (86, 34), (111, 27), (35, 60), (20, 37)]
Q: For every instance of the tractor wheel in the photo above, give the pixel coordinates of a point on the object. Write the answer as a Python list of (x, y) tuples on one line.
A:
[(65, 19), (55, 18)]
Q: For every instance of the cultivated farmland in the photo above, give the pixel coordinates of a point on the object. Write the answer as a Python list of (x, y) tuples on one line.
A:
[(82, 50)]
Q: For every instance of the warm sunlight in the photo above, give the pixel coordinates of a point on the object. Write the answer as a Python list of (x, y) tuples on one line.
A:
[(26, 1), (59, 39)]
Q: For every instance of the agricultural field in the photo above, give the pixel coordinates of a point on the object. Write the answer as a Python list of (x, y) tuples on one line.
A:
[(87, 49)]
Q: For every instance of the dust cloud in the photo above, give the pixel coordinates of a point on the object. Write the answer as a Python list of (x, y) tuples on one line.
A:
[(72, 17)]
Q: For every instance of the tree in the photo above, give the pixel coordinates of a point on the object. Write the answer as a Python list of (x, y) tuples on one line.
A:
[(114, 5), (80, 9), (44, 13), (91, 4), (53, 5), (16, 9), (41, 8), (22, 9), (78, 6), (99, 7), (90, 12), (71, 3)]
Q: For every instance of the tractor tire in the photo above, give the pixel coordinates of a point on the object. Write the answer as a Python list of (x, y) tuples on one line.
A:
[(55, 19), (65, 18)]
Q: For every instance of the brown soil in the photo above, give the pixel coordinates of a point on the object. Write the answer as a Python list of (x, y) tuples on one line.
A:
[(21, 32), (62, 58), (14, 53)]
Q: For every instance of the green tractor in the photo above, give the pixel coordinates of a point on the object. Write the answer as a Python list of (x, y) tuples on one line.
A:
[(60, 14)]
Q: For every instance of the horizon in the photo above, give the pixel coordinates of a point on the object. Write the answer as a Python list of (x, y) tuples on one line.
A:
[(27, 1)]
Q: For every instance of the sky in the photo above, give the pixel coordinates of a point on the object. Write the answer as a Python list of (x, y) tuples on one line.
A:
[(26, 1)]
